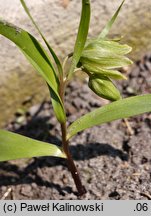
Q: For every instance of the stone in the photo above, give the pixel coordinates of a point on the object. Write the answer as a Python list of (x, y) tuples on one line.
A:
[(58, 21)]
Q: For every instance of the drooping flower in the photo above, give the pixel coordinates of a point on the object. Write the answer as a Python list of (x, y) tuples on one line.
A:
[(101, 59)]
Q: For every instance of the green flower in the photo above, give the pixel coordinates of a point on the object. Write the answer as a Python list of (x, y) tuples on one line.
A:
[(102, 58)]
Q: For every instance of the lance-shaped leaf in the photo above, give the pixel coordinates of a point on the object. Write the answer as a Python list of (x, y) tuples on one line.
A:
[(59, 110), (116, 110), (47, 44), (15, 146), (38, 57), (108, 26), (82, 35)]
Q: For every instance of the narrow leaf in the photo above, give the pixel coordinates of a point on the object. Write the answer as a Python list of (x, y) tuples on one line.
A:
[(47, 44), (59, 111), (108, 26), (116, 110), (57, 108), (82, 35), (36, 55), (15, 146)]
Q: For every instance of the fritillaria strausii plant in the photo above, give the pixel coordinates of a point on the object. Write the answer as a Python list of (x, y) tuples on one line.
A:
[(100, 58)]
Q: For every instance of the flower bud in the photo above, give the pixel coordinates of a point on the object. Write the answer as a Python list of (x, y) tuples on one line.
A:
[(103, 87)]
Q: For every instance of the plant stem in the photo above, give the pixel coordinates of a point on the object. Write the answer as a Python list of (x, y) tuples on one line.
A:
[(81, 189), (65, 144)]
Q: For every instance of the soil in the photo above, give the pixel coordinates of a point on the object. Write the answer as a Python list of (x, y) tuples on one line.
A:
[(114, 160)]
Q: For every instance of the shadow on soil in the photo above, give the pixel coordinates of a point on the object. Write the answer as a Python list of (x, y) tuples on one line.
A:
[(39, 127), (11, 174)]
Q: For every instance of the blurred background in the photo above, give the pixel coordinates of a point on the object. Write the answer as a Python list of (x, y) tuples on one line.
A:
[(58, 20)]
